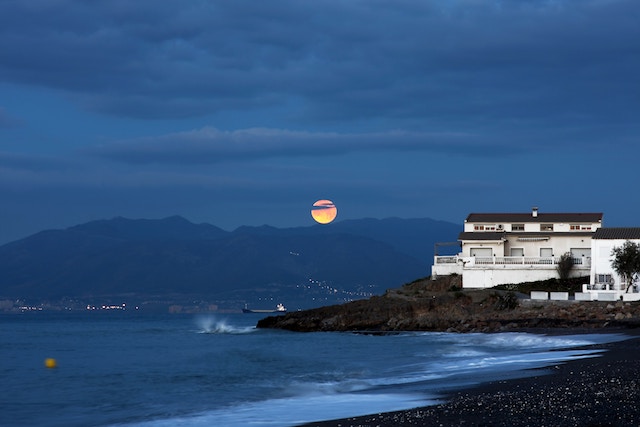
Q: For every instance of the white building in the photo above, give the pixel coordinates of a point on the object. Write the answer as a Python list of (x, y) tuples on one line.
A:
[(605, 284), (502, 248)]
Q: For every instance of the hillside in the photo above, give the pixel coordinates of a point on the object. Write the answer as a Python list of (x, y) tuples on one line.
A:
[(440, 305), (173, 256)]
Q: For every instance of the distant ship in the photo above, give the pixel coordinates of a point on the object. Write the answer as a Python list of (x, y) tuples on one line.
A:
[(279, 309)]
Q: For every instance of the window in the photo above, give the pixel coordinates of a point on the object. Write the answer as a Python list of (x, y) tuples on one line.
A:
[(580, 227), (604, 278), (580, 252), (517, 251), (546, 252), (517, 227), (491, 227), (481, 252), (546, 227)]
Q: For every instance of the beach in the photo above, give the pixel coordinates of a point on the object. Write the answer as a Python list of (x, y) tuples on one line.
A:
[(597, 391)]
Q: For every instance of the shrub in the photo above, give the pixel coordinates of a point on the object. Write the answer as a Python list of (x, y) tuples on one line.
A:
[(564, 267), (506, 301)]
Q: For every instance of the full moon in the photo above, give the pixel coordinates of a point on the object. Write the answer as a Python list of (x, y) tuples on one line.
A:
[(324, 211)]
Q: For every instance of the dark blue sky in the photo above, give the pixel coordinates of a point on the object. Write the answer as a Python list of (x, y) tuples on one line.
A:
[(246, 112)]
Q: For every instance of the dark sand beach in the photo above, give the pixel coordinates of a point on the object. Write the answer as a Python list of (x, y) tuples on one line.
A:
[(598, 391)]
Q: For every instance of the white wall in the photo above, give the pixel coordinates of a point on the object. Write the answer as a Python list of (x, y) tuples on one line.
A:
[(488, 278), (497, 247), (560, 245), (445, 269), (601, 257)]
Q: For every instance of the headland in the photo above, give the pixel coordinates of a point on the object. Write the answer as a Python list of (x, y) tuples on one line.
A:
[(597, 391), (441, 305)]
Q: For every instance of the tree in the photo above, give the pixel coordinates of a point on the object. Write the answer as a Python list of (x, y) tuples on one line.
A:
[(565, 265), (626, 261)]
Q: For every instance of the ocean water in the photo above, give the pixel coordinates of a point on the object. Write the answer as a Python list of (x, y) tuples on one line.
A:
[(120, 368)]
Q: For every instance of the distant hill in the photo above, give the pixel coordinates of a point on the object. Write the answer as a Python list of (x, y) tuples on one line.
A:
[(415, 237), (171, 228), (173, 256)]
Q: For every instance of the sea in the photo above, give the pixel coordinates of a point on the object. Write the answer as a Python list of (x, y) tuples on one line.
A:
[(128, 368)]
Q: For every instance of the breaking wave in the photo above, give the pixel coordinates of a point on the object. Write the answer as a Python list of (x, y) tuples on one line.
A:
[(212, 325)]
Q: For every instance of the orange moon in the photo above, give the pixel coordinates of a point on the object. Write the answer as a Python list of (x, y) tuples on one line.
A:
[(324, 211)]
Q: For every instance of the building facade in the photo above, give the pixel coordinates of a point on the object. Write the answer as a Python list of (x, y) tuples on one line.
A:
[(503, 248), (605, 283)]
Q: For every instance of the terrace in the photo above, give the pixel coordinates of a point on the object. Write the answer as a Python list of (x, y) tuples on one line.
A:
[(484, 262)]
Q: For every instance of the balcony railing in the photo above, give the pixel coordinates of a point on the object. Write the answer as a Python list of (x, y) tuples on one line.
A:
[(544, 262), (612, 287), (447, 259)]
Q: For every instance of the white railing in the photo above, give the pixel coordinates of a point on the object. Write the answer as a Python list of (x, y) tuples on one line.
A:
[(612, 287), (603, 287), (447, 259), (583, 262)]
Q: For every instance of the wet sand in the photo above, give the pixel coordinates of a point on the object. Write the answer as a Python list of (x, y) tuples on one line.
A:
[(597, 391)]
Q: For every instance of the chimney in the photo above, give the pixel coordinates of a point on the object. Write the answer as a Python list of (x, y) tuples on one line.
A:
[(534, 211)]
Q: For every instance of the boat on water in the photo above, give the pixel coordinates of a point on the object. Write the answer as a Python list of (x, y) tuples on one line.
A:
[(279, 309)]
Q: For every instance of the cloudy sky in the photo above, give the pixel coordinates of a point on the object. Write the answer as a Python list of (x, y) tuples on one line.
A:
[(246, 112)]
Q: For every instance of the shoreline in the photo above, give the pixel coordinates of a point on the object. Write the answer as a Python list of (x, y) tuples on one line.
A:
[(596, 391)]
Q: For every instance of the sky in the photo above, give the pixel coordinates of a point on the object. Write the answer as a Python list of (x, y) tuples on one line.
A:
[(247, 112)]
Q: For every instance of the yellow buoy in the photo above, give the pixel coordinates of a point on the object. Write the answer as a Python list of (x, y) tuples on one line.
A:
[(50, 363)]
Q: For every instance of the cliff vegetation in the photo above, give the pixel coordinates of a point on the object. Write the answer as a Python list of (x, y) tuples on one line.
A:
[(442, 305)]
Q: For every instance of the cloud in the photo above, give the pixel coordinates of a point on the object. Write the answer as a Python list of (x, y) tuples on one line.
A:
[(27, 171), (8, 121), (210, 145), (32, 162), (451, 62)]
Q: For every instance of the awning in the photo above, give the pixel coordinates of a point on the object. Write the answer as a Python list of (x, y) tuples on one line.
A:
[(533, 239)]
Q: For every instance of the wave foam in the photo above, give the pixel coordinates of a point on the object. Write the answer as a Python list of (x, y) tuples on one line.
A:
[(211, 325), (523, 340), (296, 411)]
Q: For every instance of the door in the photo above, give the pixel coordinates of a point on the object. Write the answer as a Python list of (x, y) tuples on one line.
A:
[(481, 252), (580, 252), (546, 252), (517, 251), (581, 256)]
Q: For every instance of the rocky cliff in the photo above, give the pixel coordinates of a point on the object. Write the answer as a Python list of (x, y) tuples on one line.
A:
[(440, 305)]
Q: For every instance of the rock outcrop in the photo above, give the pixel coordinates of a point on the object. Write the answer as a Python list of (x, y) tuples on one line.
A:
[(440, 305)]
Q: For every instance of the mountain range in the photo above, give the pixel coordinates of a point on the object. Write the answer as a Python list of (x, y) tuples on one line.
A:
[(174, 259)]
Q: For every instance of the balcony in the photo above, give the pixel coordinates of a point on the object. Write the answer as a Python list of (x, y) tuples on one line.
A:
[(504, 262), (609, 292), (620, 287)]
